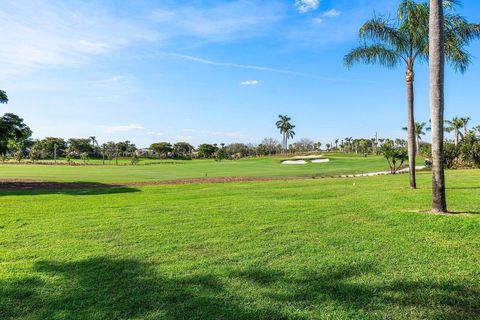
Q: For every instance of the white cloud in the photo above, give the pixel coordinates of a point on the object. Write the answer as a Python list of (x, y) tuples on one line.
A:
[(317, 20), (331, 13), (125, 128), (114, 79), (304, 6), (249, 83), (38, 34), (225, 134)]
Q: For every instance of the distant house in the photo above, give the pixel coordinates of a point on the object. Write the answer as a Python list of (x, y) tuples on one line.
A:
[(145, 152)]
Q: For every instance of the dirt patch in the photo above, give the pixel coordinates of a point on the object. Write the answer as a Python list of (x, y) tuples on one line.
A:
[(202, 180), (6, 185)]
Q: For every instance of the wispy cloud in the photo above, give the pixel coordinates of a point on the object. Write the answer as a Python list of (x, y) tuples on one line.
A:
[(232, 19), (39, 34), (304, 6), (125, 128), (229, 64), (249, 83), (331, 13), (254, 67)]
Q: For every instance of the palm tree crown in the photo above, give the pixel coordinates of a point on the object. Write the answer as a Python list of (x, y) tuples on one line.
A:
[(454, 126)]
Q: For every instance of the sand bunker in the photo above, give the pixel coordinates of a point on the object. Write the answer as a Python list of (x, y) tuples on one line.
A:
[(294, 162), (320, 160)]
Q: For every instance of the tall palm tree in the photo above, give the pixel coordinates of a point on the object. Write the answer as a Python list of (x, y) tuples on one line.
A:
[(286, 129), (455, 125), (406, 42), (465, 121), (420, 128), (437, 83), (3, 97), (94, 144)]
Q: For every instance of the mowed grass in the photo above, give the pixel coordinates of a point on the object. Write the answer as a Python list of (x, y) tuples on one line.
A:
[(252, 167), (297, 249)]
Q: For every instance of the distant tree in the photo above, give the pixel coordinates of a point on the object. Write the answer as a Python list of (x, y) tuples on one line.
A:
[(420, 128), (183, 150), (13, 132), (94, 144), (407, 41), (455, 125), (239, 150), (286, 129), (220, 154), (465, 121), (206, 150), (3, 97), (269, 146), (78, 146), (163, 149), (47, 147), (109, 150)]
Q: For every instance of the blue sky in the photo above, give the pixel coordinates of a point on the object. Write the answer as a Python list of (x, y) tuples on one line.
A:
[(208, 71)]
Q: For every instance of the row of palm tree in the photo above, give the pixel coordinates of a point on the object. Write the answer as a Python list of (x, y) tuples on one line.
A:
[(405, 41)]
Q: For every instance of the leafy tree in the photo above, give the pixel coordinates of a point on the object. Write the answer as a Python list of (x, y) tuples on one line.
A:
[(3, 97), (163, 149), (239, 150), (78, 146), (13, 131), (395, 156), (49, 145), (183, 150), (206, 150), (407, 41), (286, 129), (220, 154)]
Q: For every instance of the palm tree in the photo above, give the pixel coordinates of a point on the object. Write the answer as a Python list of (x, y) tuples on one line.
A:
[(336, 144), (406, 42), (420, 128), (3, 97), (286, 129), (94, 144), (455, 125), (465, 121), (437, 49)]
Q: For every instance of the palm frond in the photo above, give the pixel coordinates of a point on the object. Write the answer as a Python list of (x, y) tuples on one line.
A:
[(372, 54)]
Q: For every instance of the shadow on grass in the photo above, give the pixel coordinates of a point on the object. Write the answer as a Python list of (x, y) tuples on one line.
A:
[(103, 288), (77, 188)]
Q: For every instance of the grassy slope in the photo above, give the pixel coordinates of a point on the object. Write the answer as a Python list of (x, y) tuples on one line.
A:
[(326, 249), (264, 167)]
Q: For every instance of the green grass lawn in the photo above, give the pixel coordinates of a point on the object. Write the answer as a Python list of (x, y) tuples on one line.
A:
[(296, 249), (252, 167)]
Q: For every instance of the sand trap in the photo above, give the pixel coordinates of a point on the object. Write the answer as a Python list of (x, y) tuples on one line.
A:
[(320, 160), (308, 157), (294, 162)]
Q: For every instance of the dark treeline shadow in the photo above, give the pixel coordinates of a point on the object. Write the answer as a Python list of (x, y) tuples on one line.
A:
[(76, 188), (105, 288)]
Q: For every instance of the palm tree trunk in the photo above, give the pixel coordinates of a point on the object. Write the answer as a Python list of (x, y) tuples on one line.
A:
[(437, 78), (411, 139), (456, 137)]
